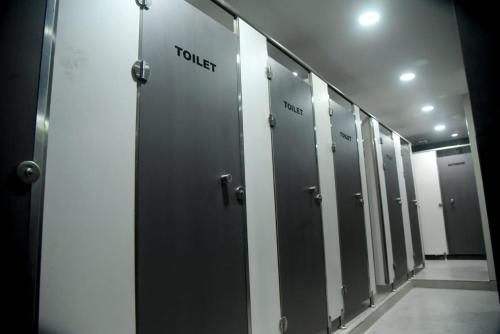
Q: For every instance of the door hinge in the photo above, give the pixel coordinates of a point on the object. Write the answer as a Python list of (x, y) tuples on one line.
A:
[(334, 147), (269, 72), (330, 111), (144, 4), (344, 290), (329, 326), (283, 324), (381, 141), (272, 120), (141, 71), (383, 166)]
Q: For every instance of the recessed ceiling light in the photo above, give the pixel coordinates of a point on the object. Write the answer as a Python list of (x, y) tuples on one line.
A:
[(440, 127), (454, 134), (295, 73), (369, 18), (408, 76), (428, 108)]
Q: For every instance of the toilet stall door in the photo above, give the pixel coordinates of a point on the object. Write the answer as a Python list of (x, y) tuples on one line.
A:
[(191, 249), (298, 205), (394, 204), (461, 205), (412, 205), (353, 248)]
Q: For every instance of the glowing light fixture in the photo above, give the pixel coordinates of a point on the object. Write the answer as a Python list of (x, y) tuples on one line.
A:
[(369, 18), (295, 73), (428, 108), (408, 76), (440, 127), (454, 134)]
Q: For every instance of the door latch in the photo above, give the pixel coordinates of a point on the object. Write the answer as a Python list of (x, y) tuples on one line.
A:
[(283, 324), (240, 194), (28, 172)]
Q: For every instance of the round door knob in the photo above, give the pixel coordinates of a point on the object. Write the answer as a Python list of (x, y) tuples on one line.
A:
[(28, 172)]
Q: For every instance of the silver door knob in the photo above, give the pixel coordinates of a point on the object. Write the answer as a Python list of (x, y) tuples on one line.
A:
[(452, 201), (28, 171)]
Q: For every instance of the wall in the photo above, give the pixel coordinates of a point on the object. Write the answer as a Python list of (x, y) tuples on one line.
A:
[(259, 181), (326, 170), (429, 198), (87, 279)]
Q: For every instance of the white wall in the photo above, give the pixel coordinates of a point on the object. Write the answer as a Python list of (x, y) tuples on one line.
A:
[(404, 203), (374, 205), (429, 198), (383, 199), (329, 205), (87, 279), (480, 188), (366, 205), (261, 223)]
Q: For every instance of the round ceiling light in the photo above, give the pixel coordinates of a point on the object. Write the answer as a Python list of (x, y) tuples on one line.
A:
[(369, 18), (454, 134), (428, 108), (440, 127), (408, 76)]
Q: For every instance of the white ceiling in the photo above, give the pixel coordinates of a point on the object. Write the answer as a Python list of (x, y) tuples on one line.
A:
[(365, 63)]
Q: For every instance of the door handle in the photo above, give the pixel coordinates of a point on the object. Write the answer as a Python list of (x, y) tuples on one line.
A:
[(359, 196), (316, 195), (452, 201), (398, 199), (225, 179)]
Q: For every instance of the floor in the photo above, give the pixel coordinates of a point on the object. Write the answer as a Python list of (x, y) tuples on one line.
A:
[(457, 270), (442, 311)]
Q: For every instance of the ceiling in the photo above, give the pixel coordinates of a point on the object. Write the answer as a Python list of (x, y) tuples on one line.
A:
[(365, 62)]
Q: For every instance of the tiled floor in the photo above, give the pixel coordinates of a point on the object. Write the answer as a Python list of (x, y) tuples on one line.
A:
[(438, 311), (459, 270)]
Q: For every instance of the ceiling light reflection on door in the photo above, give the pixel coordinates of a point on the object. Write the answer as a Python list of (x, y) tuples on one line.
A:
[(408, 76), (440, 127), (369, 18)]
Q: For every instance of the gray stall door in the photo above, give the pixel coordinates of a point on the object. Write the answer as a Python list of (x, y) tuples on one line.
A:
[(353, 248), (461, 206), (394, 204), (412, 205), (190, 228), (298, 208), (22, 25)]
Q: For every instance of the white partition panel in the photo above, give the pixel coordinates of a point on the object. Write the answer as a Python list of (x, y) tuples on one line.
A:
[(429, 201), (410, 260), (366, 204), (261, 221), (375, 207), (480, 187), (329, 204), (87, 279), (383, 199)]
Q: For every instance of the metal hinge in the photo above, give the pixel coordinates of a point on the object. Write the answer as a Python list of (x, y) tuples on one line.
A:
[(381, 141), (141, 71), (383, 166), (272, 121), (342, 319), (329, 326), (269, 72), (283, 324), (144, 4), (344, 290), (330, 111), (334, 147)]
